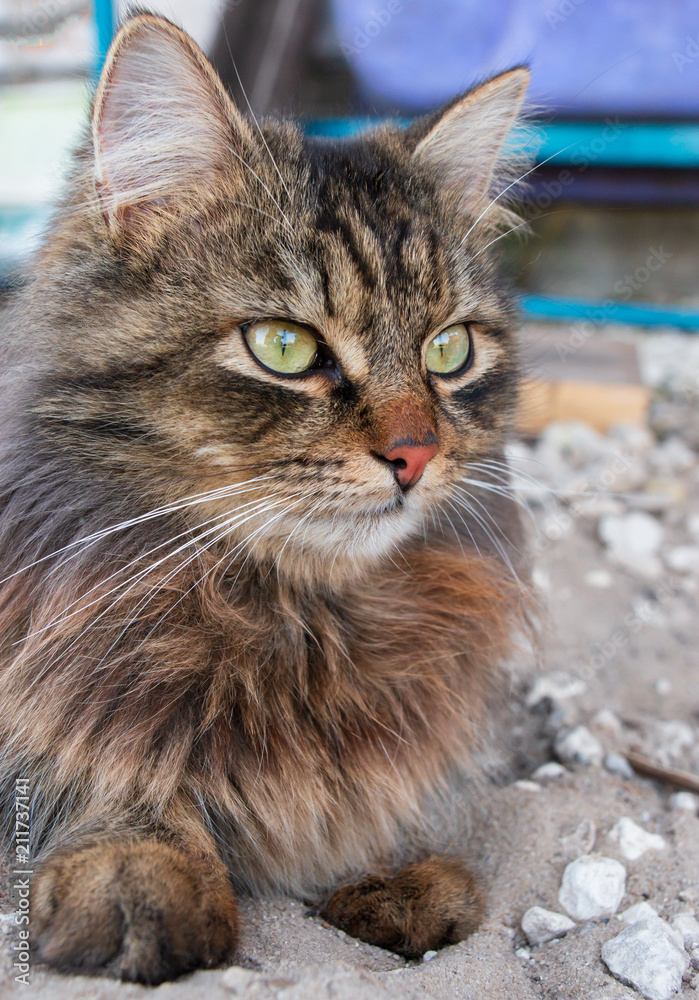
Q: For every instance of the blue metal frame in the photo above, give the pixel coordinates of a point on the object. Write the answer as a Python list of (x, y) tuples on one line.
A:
[(602, 144), (103, 11), (602, 313)]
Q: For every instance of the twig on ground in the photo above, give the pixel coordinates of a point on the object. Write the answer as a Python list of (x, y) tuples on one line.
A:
[(669, 775)]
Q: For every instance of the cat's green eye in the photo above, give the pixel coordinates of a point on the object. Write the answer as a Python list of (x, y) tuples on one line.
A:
[(449, 350), (284, 347)]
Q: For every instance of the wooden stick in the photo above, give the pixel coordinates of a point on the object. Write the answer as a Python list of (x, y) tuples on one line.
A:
[(670, 775)]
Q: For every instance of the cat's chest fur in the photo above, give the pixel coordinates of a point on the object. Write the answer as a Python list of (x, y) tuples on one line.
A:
[(348, 709)]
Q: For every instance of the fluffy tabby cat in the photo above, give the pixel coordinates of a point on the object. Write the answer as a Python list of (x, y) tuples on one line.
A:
[(253, 608)]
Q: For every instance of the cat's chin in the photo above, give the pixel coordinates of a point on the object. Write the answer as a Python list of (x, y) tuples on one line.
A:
[(340, 546)]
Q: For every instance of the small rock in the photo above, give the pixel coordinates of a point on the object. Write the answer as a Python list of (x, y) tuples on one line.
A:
[(649, 956), (573, 443), (562, 716), (694, 958), (600, 578), (694, 983), (685, 801), (671, 457), (617, 764), (673, 739), (682, 558), (663, 686), (550, 771), (633, 439), (640, 911), (542, 925), (633, 540), (556, 686), (581, 840), (524, 954), (608, 721), (633, 840), (687, 926), (429, 955), (578, 746), (592, 886), (526, 786)]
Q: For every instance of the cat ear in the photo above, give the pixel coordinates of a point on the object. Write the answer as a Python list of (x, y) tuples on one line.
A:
[(462, 143), (161, 125)]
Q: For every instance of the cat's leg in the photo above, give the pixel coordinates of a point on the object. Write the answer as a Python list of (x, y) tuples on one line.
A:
[(143, 909), (427, 905)]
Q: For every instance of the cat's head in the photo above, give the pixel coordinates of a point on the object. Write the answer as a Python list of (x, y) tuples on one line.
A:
[(314, 330)]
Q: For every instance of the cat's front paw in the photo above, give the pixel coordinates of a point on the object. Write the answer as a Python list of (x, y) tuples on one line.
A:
[(137, 910), (427, 905)]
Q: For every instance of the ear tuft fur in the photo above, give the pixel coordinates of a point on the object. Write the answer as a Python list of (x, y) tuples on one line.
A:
[(162, 122), (463, 144)]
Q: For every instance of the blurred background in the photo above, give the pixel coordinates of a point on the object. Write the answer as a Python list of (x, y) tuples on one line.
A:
[(615, 86)]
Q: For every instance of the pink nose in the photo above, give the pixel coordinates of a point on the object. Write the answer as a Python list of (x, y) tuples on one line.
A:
[(409, 460)]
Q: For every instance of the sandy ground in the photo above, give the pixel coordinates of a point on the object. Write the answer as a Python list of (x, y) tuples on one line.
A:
[(645, 674)]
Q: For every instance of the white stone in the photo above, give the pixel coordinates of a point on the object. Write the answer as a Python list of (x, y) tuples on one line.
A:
[(633, 541), (607, 720), (550, 770), (617, 764), (649, 956), (600, 578), (632, 438), (682, 558), (687, 925), (557, 686), (592, 886), (663, 686), (694, 958), (429, 955), (633, 840), (672, 456), (685, 801), (527, 786), (542, 925), (694, 983), (524, 954), (674, 738), (578, 746), (640, 911)]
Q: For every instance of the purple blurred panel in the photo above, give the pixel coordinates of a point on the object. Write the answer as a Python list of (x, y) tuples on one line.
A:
[(630, 57)]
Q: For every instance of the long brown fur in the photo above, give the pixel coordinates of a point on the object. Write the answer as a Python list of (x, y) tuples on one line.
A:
[(268, 706)]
